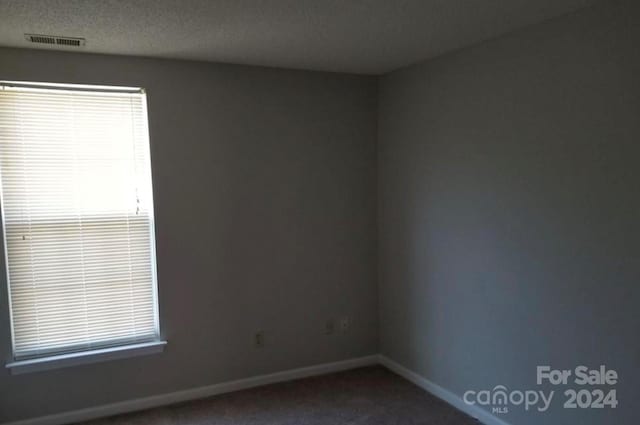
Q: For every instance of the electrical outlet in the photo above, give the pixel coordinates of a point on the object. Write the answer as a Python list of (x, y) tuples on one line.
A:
[(345, 324), (329, 327), (258, 339)]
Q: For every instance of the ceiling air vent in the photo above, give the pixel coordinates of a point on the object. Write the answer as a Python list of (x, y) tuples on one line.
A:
[(55, 40)]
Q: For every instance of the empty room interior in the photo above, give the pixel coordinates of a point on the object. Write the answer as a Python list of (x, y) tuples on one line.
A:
[(320, 212)]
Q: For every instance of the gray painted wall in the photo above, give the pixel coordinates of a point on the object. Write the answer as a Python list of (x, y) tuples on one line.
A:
[(509, 199), (265, 199)]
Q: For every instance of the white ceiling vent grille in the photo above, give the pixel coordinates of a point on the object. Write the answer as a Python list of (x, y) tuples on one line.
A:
[(55, 40)]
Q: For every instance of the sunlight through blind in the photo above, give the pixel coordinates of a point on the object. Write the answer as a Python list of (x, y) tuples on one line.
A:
[(78, 218)]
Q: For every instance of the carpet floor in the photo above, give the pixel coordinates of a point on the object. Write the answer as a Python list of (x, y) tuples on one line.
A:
[(365, 396)]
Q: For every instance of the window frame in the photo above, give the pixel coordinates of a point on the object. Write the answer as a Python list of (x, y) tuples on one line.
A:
[(117, 350)]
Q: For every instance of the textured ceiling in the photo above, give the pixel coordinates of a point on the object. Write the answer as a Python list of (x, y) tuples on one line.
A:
[(360, 36)]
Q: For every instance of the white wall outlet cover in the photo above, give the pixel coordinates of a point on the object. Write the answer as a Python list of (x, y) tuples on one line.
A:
[(345, 324), (258, 339)]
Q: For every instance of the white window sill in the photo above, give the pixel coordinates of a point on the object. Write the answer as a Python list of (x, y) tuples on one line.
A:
[(84, 357)]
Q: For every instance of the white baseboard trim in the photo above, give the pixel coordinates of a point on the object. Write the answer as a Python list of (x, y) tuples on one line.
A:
[(443, 394), (196, 393), (256, 381)]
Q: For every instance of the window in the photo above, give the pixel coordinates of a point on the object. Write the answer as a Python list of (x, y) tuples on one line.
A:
[(77, 212)]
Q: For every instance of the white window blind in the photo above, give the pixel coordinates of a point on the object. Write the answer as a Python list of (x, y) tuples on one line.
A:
[(77, 211)]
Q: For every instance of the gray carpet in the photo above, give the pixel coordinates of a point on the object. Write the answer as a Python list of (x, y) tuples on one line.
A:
[(370, 395)]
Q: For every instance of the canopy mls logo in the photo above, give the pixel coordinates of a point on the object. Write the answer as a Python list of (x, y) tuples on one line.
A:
[(501, 399)]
